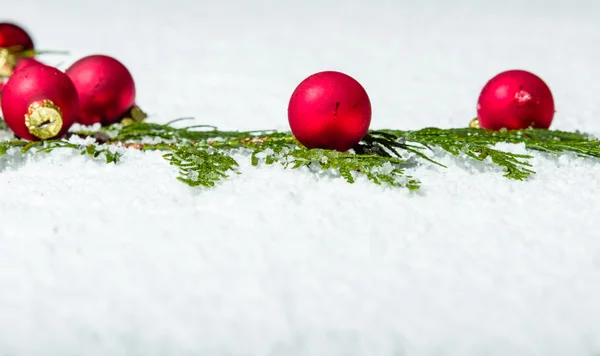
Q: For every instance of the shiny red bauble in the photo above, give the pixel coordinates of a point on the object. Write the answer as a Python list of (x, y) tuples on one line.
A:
[(14, 38), (515, 99), (329, 110), (39, 102), (105, 87)]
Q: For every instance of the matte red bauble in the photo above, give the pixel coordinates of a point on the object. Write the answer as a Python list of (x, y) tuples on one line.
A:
[(105, 87), (329, 110), (20, 64), (514, 100), (25, 62), (39, 102), (14, 38), (13, 41)]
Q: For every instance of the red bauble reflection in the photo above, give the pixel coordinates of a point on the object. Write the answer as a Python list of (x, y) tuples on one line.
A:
[(106, 89), (39, 102), (14, 38), (514, 100), (329, 110)]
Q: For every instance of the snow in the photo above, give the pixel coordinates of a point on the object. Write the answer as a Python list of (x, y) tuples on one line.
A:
[(100, 259)]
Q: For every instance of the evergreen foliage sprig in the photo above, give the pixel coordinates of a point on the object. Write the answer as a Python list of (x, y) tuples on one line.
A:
[(197, 133), (50, 145), (204, 155), (515, 165), (200, 166), (376, 168), (479, 144)]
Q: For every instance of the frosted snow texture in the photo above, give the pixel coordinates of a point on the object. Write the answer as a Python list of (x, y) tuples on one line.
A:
[(99, 259)]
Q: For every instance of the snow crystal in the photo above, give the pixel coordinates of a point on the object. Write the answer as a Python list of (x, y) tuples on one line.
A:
[(264, 154), (193, 175), (89, 128), (385, 168), (6, 136), (84, 141)]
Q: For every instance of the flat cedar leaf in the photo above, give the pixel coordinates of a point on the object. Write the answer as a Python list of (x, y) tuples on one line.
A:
[(112, 157), (200, 167), (254, 160), (4, 146), (298, 163), (29, 146), (345, 172)]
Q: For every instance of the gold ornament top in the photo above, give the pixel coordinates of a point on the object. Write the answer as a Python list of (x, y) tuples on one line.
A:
[(8, 61), (135, 114), (474, 124), (127, 121), (44, 119)]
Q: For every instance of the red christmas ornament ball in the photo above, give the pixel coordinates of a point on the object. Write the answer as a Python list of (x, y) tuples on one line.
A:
[(14, 38), (25, 62), (39, 102), (329, 110), (515, 99), (106, 89), (21, 63)]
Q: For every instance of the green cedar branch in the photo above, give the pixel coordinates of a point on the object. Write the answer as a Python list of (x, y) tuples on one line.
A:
[(204, 154), (50, 145), (477, 144), (376, 168)]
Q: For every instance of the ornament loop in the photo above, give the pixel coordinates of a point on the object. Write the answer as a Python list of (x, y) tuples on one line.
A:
[(474, 124), (44, 119)]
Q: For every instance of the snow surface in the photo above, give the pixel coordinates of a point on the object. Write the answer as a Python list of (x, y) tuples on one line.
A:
[(100, 259)]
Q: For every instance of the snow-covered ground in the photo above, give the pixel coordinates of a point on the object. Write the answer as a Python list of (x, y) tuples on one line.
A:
[(100, 259)]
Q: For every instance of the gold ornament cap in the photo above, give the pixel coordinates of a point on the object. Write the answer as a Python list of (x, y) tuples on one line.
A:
[(474, 124), (134, 115), (127, 121), (44, 119), (8, 61), (137, 114)]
